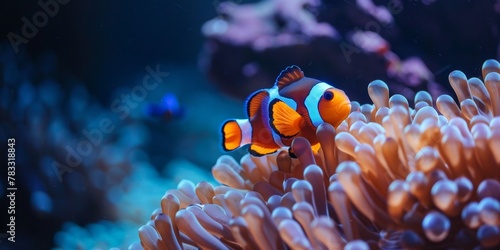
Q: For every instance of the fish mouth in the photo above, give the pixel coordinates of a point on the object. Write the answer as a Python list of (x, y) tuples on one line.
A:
[(345, 107), (341, 112)]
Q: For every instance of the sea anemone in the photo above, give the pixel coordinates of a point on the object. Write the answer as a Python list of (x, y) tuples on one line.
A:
[(389, 177)]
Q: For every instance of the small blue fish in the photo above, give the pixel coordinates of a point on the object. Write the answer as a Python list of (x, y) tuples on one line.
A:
[(167, 109)]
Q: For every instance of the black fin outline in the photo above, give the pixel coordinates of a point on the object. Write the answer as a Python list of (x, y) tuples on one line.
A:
[(224, 135)]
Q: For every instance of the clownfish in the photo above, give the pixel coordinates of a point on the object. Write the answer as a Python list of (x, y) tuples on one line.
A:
[(295, 106)]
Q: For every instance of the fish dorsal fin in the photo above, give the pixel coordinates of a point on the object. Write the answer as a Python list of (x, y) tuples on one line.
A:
[(289, 75), (254, 102)]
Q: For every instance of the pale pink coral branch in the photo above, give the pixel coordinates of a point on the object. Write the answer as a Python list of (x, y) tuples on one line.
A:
[(267, 24), (381, 13)]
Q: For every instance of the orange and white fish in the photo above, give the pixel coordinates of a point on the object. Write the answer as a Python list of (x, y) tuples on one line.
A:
[(294, 106)]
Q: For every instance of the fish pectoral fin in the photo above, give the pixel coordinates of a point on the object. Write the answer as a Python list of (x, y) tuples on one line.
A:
[(231, 135), (315, 148), (260, 150), (285, 121)]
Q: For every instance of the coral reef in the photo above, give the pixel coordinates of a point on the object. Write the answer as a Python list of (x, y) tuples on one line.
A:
[(101, 235), (391, 176), (66, 172), (54, 120), (114, 181), (132, 202), (267, 24), (409, 45), (63, 173)]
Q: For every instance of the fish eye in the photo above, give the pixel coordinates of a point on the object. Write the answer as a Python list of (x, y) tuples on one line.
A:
[(328, 95)]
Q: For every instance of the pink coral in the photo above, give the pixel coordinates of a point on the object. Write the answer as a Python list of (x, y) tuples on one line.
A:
[(267, 24)]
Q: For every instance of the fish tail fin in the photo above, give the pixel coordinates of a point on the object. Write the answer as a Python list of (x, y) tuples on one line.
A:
[(236, 133)]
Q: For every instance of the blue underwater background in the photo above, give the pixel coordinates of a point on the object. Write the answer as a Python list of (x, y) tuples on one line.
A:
[(111, 103)]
